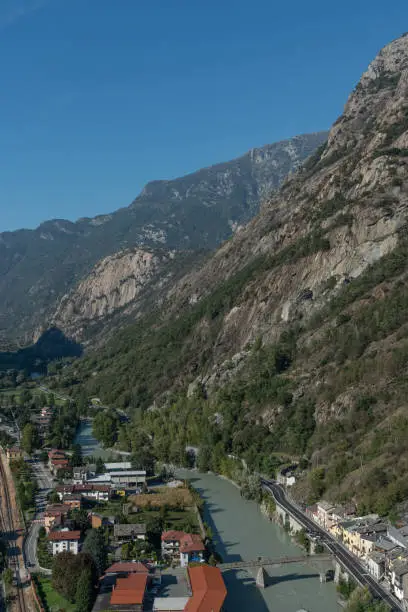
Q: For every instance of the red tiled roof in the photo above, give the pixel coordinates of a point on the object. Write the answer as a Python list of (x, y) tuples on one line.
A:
[(67, 499), (208, 588), (131, 568), (170, 536), (191, 542), (55, 453), (56, 509), (60, 462), (56, 536), (130, 590)]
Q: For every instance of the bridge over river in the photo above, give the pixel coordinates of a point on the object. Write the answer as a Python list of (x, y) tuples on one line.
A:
[(277, 562)]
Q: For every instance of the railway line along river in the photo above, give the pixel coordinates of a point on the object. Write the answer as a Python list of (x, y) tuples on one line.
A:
[(242, 533)]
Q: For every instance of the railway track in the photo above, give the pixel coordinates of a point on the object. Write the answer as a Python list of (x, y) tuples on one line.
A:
[(8, 526)]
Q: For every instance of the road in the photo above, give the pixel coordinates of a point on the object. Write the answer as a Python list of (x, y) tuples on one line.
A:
[(347, 560), (45, 485)]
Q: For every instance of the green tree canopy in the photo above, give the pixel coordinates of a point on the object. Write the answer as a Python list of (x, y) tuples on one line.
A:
[(95, 546)]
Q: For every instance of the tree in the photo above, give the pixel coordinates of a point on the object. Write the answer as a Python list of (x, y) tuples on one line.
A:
[(154, 528), (66, 571), (362, 601), (84, 595), (81, 518), (94, 545), (105, 427), (204, 459), (100, 466), (8, 576), (53, 497), (25, 397), (76, 458), (29, 438)]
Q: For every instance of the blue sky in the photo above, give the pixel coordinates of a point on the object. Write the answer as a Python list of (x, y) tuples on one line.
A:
[(100, 96)]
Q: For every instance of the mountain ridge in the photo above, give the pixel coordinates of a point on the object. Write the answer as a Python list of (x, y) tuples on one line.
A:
[(38, 267)]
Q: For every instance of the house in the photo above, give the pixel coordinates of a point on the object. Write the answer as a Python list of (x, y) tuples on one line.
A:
[(399, 578), (54, 516), (376, 564), (55, 453), (59, 465), (323, 514), (361, 534), (14, 453), (88, 491), (125, 568), (64, 541), (57, 460), (73, 501), (97, 520), (170, 544), (129, 593), (286, 476), (398, 536), (191, 549), (182, 548), (128, 533), (100, 493), (80, 475)]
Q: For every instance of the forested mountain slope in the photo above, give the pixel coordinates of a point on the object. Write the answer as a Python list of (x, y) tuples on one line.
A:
[(293, 337), (198, 211)]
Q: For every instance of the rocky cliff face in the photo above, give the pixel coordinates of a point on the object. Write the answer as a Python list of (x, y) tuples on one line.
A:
[(191, 213), (328, 223), (114, 283)]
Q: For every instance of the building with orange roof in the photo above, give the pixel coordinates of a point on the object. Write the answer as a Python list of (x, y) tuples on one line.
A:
[(182, 547), (209, 590), (129, 593), (206, 592)]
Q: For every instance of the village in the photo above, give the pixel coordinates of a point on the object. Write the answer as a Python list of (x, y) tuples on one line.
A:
[(157, 552), (382, 547)]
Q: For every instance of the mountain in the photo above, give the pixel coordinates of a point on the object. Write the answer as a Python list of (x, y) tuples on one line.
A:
[(292, 339), (198, 211)]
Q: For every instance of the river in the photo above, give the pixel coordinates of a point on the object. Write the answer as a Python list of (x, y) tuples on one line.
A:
[(90, 446), (242, 533)]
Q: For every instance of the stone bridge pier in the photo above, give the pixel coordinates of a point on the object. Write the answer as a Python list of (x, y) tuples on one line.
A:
[(287, 520)]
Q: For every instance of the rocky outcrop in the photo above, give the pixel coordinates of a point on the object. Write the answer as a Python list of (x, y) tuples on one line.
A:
[(114, 283), (338, 215)]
